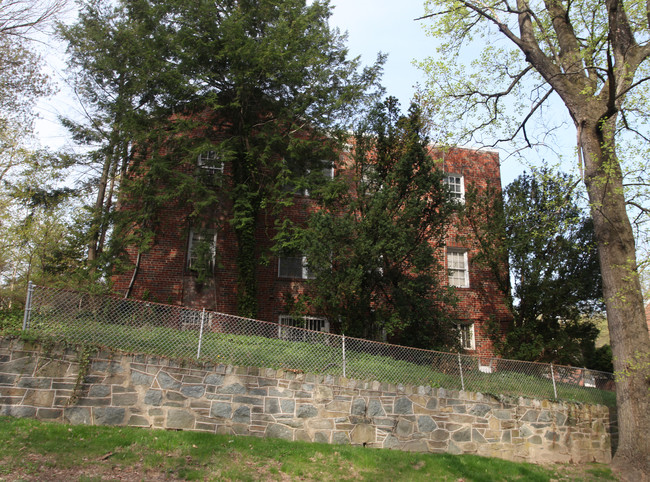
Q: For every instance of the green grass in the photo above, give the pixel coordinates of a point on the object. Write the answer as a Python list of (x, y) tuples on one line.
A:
[(311, 357), (36, 450)]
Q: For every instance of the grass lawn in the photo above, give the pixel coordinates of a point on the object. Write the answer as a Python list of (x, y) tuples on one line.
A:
[(33, 450), (317, 356)]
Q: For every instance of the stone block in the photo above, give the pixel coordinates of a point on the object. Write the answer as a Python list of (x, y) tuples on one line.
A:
[(257, 401), (306, 411), (19, 366), (49, 413), (340, 438), (403, 406), (99, 391), (363, 434), (276, 430), (358, 407), (322, 437), (180, 419), (6, 379), (18, 411), (404, 428), (29, 382), (464, 435), (530, 416), (235, 388), (375, 408), (323, 394), (480, 409), (242, 415), (272, 405), (167, 382), (416, 446), (213, 379), (139, 378), (125, 399), (439, 435), (503, 414), (39, 398), (175, 396), (426, 424), (109, 415), (77, 415), (138, 421), (153, 397), (193, 391)]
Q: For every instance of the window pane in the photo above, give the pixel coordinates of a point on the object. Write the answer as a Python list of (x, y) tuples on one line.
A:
[(290, 267)]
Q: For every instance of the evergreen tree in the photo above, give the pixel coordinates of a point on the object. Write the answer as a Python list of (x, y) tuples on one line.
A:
[(372, 246), (265, 84)]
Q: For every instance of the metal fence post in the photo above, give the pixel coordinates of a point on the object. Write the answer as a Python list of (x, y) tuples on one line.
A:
[(28, 305), (198, 351), (344, 355), (553, 378), (460, 367)]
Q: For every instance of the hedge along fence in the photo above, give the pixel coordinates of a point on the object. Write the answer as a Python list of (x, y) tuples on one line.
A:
[(178, 332)]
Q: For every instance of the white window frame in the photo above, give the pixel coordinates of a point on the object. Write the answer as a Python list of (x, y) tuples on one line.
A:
[(453, 269), (196, 237), (328, 174), (456, 185), (467, 336), (207, 160), (313, 323), (191, 319), (305, 273)]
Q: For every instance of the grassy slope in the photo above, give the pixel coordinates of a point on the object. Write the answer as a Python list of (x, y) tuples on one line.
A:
[(33, 450)]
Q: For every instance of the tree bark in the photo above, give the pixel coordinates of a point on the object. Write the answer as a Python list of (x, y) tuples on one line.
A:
[(628, 328)]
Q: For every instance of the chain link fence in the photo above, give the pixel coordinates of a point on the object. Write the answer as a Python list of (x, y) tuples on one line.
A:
[(174, 331)]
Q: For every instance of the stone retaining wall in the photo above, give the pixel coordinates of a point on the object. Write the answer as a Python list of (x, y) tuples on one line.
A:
[(149, 391)]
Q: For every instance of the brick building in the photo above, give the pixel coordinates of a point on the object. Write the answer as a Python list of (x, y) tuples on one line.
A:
[(164, 272)]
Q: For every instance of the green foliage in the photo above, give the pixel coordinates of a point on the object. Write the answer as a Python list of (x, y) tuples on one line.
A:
[(372, 243), (550, 247), (265, 84)]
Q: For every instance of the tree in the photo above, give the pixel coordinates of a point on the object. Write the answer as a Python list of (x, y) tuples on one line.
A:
[(372, 244), (551, 251), (267, 85), (592, 56)]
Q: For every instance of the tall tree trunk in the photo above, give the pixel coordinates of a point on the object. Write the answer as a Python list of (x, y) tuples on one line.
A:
[(628, 329), (98, 211)]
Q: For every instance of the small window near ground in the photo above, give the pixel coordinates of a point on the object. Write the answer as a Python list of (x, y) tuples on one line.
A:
[(467, 336), (457, 268), (314, 323)]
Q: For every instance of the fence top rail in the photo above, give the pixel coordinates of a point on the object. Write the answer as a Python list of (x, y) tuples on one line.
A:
[(332, 335)]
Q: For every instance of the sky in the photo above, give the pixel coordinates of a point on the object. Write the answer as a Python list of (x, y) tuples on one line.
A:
[(372, 26)]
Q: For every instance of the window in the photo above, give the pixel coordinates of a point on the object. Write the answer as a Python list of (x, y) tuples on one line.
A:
[(288, 327), (294, 267), (314, 323), (457, 268), (326, 174), (456, 185), (191, 320), (321, 172), (210, 163), (467, 336), (202, 248)]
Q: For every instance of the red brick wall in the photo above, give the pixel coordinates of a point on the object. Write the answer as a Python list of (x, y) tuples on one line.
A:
[(163, 275)]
